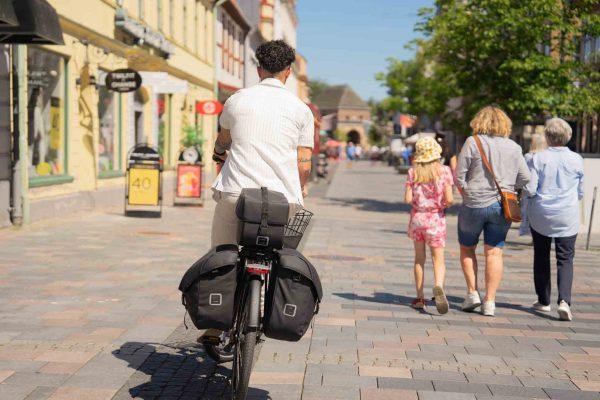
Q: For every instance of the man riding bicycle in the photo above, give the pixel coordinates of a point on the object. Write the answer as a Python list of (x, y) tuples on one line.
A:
[(266, 140)]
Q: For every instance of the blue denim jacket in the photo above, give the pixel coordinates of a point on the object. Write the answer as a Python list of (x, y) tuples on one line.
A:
[(555, 188)]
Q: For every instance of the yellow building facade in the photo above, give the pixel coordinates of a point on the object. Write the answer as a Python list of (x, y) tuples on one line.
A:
[(79, 132)]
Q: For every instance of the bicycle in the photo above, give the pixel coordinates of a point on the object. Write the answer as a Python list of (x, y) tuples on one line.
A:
[(238, 345)]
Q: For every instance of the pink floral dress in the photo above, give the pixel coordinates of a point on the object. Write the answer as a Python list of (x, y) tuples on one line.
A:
[(427, 219)]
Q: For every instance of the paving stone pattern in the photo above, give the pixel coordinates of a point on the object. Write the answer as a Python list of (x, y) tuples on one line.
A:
[(89, 309)]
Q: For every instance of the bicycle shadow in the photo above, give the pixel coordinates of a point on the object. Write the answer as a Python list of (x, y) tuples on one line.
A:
[(179, 370)]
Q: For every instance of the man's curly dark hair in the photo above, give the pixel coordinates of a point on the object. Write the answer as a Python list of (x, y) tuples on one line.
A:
[(275, 56)]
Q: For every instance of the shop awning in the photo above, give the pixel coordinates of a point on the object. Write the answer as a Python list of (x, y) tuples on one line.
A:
[(7, 14), (37, 24)]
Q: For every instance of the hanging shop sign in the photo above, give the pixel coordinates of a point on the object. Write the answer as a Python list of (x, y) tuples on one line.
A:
[(209, 107), (123, 80), (143, 195)]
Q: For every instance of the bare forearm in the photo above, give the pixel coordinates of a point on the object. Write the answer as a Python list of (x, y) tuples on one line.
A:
[(304, 168), (304, 164), (223, 142)]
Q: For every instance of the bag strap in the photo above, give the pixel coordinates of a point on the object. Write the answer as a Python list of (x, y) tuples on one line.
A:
[(486, 162), (264, 216)]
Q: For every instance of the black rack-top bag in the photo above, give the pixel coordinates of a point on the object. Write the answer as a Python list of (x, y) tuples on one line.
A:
[(293, 296), (264, 214), (209, 287)]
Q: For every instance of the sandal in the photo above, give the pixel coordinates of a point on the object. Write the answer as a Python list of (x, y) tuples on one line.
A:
[(418, 303)]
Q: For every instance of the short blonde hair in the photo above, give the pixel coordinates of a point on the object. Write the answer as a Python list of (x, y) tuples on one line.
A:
[(558, 132), (491, 121)]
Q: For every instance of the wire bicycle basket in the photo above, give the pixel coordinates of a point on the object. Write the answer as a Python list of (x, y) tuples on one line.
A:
[(295, 228)]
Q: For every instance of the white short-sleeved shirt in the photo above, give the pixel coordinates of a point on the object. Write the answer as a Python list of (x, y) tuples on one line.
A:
[(267, 123)]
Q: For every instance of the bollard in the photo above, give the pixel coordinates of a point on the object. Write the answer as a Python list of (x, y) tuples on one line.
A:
[(587, 245)]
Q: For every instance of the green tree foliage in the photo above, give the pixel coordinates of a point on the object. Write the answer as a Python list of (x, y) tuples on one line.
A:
[(316, 87), (519, 54), (418, 86)]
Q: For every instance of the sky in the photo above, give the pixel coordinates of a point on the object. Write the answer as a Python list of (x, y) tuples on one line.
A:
[(349, 41)]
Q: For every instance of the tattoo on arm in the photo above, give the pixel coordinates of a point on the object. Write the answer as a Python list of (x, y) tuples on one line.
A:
[(304, 160)]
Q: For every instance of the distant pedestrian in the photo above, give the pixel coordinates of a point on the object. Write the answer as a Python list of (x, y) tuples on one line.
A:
[(358, 152), (449, 157), (350, 151), (555, 189), (407, 154), (429, 190), (538, 143), (482, 210)]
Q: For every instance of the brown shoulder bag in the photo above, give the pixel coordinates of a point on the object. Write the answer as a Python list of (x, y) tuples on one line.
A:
[(510, 201)]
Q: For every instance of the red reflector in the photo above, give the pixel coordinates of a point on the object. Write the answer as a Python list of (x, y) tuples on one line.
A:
[(258, 269)]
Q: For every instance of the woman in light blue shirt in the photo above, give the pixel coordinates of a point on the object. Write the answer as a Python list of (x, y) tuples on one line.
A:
[(555, 189)]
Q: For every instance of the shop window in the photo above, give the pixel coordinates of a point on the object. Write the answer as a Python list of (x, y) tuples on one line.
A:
[(172, 18), (184, 24), (108, 156), (141, 9), (46, 113), (159, 15)]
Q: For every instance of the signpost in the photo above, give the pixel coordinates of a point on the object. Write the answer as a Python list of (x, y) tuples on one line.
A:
[(123, 80), (143, 193)]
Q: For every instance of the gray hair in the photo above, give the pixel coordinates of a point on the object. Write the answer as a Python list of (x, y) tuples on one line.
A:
[(558, 132)]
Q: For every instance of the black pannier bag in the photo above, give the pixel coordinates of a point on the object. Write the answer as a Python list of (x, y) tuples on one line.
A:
[(209, 287), (264, 214), (293, 297)]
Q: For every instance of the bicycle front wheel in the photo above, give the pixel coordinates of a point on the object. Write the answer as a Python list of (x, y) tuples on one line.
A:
[(247, 338)]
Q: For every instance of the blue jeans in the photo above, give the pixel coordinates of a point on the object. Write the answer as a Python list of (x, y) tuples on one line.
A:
[(489, 220)]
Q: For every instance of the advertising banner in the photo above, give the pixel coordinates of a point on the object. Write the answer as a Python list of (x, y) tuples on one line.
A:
[(144, 186), (189, 181)]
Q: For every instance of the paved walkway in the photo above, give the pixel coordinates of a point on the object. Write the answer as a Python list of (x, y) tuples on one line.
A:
[(89, 309)]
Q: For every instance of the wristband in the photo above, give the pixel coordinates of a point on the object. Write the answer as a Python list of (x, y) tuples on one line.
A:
[(220, 148)]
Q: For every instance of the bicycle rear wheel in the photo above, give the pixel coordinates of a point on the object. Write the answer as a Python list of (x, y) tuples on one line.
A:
[(243, 358)]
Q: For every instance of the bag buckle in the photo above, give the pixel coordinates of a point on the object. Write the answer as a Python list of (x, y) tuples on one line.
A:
[(262, 241)]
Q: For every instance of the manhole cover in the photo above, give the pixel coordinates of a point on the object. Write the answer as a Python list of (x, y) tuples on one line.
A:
[(153, 233), (337, 257)]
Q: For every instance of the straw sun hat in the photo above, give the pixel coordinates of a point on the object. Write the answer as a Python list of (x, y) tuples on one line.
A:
[(427, 150)]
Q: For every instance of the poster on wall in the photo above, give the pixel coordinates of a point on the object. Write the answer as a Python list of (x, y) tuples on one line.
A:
[(55, 119), (189, 179)]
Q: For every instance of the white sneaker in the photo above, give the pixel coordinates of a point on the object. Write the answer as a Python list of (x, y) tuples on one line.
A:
[(564, 311), (540, 307), (472, 301), (488, 308)]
